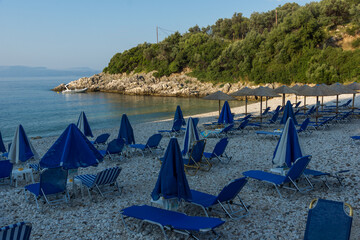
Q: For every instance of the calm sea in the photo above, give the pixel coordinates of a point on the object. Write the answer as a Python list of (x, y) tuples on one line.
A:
[(29, 101)]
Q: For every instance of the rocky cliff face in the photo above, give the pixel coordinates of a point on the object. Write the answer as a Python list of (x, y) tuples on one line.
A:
[(179, 85)]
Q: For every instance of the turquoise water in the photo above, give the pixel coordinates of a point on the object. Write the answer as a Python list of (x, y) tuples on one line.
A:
[(29, 101)]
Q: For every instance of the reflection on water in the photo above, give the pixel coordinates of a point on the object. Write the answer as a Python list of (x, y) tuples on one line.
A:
[(46, 113)]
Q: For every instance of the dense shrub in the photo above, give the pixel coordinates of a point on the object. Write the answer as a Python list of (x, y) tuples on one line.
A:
[(295, 49)]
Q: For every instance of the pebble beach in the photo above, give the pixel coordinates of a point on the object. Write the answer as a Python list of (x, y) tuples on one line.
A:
[(271, 217)]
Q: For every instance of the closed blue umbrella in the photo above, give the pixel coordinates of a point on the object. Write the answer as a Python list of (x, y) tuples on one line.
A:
[(288, 148), (172, 182), (288, 112), (179, 115), (71, 151), (21, 148), (225, 116), (83, 125), (2, 146), (191, 135), (126, 131)]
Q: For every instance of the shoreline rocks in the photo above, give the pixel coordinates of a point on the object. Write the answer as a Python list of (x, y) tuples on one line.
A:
[(176, 85)]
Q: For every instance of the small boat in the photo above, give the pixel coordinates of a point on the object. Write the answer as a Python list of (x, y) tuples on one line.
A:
[(67, 90)]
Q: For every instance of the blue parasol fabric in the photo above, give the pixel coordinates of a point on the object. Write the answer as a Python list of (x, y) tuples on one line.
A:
[(126, 131), (288, 148), (191, 135), (21, 148), (225, 116), (288, 112), (83, 125), (179, 115), (172, 182), (2, 146), (71, 151)]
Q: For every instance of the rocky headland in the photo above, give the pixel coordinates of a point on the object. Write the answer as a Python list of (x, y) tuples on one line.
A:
[(176, 85)]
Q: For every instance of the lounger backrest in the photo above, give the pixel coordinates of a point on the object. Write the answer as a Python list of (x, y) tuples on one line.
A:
[(18, 231), (196, 121), (228, 128), (297, 104), (107, 176), (277, 108), (247, 117), (197, 150), (311, 110), (53, 180), (177, 125), (220, 147), (243, 124), (328, 220), (231, 190), (304, 125), (154, 140), (115, 146), (298, 168), (266, 111), (347, 103), (5, 168), (274, 117), (102, 138)]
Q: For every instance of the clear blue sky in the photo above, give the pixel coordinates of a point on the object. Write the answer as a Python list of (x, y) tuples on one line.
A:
[(87, 33)]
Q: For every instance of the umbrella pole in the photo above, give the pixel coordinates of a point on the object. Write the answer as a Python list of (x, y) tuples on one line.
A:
[(322, 103), (246, 105), (353, 103), (304, 104), (219, 108), (266, 98), (317, 109), (260, 109), (295, 99), (337, 104), (283, 100)]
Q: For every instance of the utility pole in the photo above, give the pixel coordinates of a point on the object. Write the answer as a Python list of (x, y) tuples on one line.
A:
[(157, 35), (276, 16)]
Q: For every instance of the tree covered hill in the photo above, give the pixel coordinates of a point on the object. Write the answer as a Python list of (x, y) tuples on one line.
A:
[(304, 45)]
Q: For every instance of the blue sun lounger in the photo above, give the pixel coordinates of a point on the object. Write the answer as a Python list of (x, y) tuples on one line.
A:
[(151, 144), (324, 175), (217, 132), (328, 220), (219, 151), (176, 128), (225, 199), (294, 173), (170, 220), (18, 231), (101, 139)]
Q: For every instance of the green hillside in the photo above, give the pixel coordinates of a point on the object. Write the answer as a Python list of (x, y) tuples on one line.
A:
[(305, 45)]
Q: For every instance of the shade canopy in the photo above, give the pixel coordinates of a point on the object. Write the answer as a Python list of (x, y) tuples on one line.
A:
[(225, 116), (288, 148), (21, 148), (354, 86), (2, 146), (179, 115), (265, 92), (126, 131), (245, 91), (317, 91), (219, 95), (83, 125), (191, 135), (288, 113), (341, 89), (71, 151), (284, 90), (172, 182), (295, 87)]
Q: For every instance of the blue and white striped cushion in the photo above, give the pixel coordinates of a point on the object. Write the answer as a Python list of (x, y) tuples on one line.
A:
[(18, 231), (87, 179), (34, 166), (107, 176)]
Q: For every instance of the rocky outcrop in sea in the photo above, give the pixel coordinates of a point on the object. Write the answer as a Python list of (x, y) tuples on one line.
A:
[(176, 85)]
